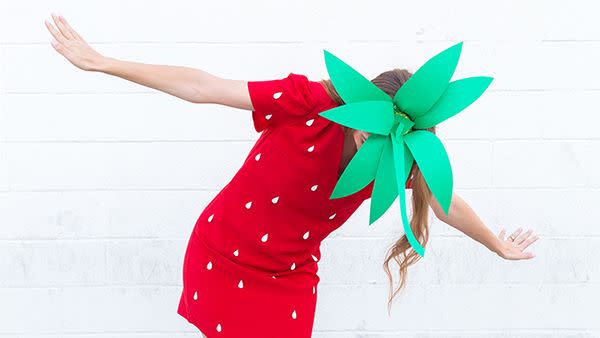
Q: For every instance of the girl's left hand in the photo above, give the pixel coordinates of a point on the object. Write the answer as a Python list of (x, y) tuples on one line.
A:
[(514, 245), (71, 45)]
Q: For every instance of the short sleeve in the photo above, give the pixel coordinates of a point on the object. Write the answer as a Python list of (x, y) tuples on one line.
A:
[(279, 101)]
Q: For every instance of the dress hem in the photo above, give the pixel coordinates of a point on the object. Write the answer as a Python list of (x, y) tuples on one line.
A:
[(200, 327)]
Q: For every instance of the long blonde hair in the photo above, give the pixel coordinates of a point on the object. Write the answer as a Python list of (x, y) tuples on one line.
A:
[(400, 251)]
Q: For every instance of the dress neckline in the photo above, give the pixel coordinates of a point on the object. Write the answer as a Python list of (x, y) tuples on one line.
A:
[(332, 104)]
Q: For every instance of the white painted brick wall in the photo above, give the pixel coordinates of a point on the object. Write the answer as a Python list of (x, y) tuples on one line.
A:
[(101, 180)]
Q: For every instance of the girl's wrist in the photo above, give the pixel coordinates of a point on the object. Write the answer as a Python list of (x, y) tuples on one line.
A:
[(101, 64), (498, 247)]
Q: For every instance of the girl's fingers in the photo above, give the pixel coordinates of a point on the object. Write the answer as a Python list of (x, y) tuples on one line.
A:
[(69, 28), (523, 237), (56, 34), (56, 46), (61, 27), (528, 242), (516, 233)]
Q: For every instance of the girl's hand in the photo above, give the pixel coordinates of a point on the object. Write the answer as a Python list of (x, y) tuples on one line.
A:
[(71, 45), (513, 247)]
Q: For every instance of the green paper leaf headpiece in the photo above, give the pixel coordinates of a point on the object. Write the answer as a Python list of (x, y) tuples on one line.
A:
[(398, 130)]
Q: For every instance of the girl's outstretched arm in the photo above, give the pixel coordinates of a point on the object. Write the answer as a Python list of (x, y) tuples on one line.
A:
[(190, 84), (462, 217)]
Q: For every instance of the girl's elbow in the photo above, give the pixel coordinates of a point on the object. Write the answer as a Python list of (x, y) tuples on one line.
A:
[(436, 207), (439, 212)]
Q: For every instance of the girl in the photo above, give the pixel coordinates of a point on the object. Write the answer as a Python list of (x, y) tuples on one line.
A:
[(250, 268)]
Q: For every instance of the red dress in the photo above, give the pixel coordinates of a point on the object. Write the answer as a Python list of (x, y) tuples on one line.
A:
[(250, 268)]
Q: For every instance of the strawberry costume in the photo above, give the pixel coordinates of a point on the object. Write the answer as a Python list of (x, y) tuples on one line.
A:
[(250, 268)]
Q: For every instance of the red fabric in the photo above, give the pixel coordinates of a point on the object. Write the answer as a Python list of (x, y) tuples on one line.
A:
[(263, 230)]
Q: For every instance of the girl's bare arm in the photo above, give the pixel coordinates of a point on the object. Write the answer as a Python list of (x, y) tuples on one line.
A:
[(462, 217), (190, 84)]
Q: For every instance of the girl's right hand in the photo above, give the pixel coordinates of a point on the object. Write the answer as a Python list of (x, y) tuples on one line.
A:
[(72, 46), (513, 247)]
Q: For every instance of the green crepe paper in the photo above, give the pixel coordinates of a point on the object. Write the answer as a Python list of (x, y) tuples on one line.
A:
[(397, 126), (426, 86)]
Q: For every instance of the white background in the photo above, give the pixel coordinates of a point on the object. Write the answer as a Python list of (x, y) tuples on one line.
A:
[(101, 180)]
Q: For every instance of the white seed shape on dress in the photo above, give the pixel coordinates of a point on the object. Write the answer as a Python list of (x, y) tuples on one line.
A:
[(219, 328), (274, 277), (311, 148), (305, 236), (248, 205), (268, 116), (236, 252), (314, 290), (257, 157), (314, 187), (264, 238), (209, 266), (275, 199), (277, 95), (332, 216), (210, 218), (314, 258), (196, 295), (310, 122), (241, 284), (294, 314), (293, 266)]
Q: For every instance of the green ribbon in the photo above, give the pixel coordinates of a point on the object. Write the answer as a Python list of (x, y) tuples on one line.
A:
[(397, 126)]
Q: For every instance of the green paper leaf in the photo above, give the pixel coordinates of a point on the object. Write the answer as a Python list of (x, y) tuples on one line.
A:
[(426, 85), (399, 159), (384, 190), (362, 168), (350, 84), (432, 159), (408, 162), (370, 116), (458, 96)]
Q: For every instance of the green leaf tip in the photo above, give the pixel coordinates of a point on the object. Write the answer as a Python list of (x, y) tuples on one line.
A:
[(349, 83), (361, 169), (458, 95)]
